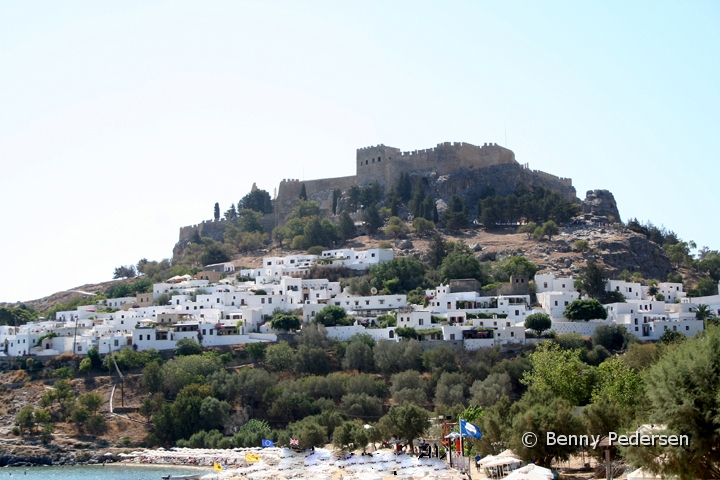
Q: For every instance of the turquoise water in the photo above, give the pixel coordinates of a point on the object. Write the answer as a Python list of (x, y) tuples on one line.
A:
[(95, 472)]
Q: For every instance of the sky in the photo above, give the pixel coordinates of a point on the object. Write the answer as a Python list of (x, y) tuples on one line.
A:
[(120, 122)]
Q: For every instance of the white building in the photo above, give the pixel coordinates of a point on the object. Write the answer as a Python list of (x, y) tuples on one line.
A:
[(631, 290), (548, 283), (555, 303)]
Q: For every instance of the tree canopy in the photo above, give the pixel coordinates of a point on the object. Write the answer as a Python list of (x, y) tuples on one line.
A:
[(584, 310)]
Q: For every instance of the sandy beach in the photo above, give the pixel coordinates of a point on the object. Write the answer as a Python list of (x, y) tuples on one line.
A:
[(280, 463)]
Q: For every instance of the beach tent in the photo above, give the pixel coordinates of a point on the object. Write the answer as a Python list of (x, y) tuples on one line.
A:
[(497, 466), (531, 472), (508, 453), (501, 461)]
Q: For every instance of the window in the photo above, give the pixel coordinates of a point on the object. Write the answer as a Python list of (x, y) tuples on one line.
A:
[(566, 303), (686, 327), (269, 300), (373, 255), (420, 322), (452, 336), (203, 330), (636, 328), (556, 303), (545, 285), (116, 343), (512, 334), (79, 349), (262, 300)]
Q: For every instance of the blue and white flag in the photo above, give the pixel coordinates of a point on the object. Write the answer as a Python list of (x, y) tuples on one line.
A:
[(467, 429), (267, 443)]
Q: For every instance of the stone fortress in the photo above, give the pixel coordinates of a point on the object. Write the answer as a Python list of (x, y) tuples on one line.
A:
[(450, 167), (447, 169)]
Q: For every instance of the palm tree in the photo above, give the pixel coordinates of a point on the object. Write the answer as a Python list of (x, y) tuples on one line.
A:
[(703, 312)]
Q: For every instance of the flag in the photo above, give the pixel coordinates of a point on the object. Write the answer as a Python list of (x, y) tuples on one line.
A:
[(467, 429), (294, 442), (252, 457), (267, 443), (217, 466)]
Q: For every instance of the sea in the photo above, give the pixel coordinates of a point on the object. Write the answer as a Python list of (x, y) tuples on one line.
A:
[(96, 472)]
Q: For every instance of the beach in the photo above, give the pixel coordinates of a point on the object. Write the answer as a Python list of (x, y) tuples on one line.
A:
[(282, 463)]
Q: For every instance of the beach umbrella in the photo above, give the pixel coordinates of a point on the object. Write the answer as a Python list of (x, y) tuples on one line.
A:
[(500, 461), (531, 472)]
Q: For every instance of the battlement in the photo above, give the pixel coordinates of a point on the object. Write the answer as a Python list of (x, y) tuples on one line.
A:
[(384, 164), (445, 145)]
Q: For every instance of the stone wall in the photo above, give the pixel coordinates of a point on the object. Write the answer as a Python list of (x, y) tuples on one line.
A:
[(430, 344), (385, 164), (318, 190), (214, 230)]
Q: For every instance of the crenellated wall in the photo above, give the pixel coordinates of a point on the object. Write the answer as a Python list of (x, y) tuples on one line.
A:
[(318, 190), (385, 164)]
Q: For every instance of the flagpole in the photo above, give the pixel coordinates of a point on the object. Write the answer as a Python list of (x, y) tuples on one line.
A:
[(462, 450)]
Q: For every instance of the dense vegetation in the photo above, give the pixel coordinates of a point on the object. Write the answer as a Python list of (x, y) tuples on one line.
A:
[(316, 389), (523, 206)]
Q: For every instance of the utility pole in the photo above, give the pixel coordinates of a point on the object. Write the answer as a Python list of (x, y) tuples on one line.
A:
[(75, 336)]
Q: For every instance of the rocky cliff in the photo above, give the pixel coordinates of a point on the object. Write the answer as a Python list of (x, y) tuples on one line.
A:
[(601, 205)]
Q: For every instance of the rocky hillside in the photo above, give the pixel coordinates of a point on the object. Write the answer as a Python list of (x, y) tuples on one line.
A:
[(87, 290), (616, 249)]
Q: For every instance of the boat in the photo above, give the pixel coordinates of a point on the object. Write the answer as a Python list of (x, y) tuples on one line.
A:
[(196, 476)]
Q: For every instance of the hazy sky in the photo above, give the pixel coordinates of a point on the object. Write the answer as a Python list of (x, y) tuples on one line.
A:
[(122, 121)]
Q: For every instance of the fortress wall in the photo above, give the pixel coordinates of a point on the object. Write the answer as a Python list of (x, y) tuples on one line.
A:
[(550, 177), (207, 228), (318, 190), (384, 164), (562, 186)]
